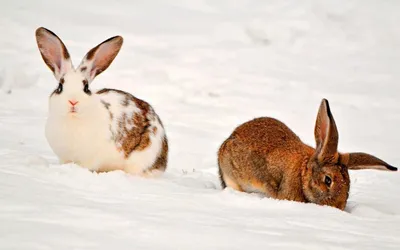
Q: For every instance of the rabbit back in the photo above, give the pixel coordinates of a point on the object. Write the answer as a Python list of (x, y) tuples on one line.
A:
[(262, 155), (136, 130)]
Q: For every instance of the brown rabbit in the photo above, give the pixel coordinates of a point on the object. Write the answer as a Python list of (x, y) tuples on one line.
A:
[(265, 156)]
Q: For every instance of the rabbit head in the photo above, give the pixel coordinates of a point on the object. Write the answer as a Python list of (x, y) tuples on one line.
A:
[(72, 94), (325, 179)]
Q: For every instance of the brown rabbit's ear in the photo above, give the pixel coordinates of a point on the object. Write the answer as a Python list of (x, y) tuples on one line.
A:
[(53, 51), (100, 57), (325, 132), (356, 161)]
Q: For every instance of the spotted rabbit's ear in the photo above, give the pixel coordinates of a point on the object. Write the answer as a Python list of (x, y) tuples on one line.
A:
[(326, 134), (356, 161), (100, 57), (54, 52)]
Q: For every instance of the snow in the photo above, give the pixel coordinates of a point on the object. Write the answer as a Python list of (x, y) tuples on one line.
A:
[(205, 66)]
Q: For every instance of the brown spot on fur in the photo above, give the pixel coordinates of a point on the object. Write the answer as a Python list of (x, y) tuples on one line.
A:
[(154, 130), (126, 100), (107, 106), (136, 138), (105, 91), (62, 80), (162, 160), (83, 69), (133, 132), (142, 105)]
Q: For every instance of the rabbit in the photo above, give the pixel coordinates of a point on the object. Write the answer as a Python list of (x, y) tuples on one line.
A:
[(101, 130), (264, 156)]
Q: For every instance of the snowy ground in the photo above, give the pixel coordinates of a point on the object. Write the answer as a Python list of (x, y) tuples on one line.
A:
[(206, 66)]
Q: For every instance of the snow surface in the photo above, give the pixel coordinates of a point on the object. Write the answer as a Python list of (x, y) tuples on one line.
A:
[(206, 66)]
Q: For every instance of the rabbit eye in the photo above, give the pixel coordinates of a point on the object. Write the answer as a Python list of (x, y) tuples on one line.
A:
[(59, 89), (328, 181), (86, 87)]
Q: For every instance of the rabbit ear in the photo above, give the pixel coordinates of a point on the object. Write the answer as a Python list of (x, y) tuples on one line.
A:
[(53, 51), (325, 132), (100, 57), (356, 161)]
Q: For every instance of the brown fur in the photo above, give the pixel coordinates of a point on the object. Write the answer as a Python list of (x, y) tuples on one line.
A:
[(135, 138), (264, 155)]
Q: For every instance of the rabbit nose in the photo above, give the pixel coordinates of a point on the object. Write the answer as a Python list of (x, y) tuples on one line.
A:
[(73, 103)]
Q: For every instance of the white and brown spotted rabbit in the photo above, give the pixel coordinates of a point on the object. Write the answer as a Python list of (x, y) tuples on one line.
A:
[(102, 130), (265, 156)]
